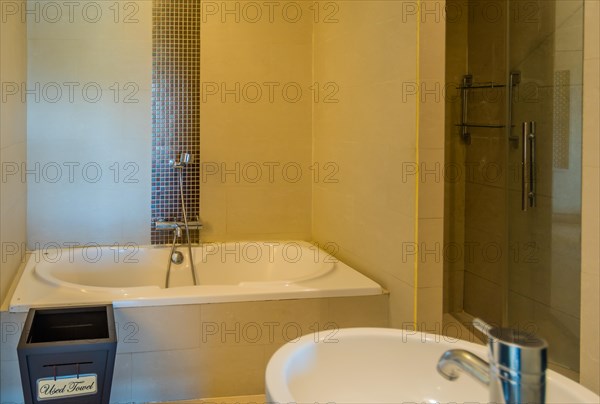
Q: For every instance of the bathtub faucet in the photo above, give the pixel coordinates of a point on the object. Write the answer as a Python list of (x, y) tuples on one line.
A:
[(177, 226), (516, 372)]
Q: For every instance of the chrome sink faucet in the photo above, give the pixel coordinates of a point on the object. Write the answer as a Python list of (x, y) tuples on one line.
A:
[(516, 371)]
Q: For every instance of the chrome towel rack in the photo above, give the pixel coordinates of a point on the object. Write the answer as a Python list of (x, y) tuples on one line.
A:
[(468, 85)]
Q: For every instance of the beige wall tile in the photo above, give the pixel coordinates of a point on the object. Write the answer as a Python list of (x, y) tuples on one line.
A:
[(431, 182), (94, 53), (591, 119), (591, 41), (431, 253), (261, 323), (233, 370), (212, 200), (268, 212), (365, 311), (161, 328), (265, 124), (430, 309), (433, 37), (432, 114), (13, 136), (590, 284), (13, 236), (90, 20), (590, 310), (371, 135), (188, 375), (588, 373), (590, 229), (402, 303), (430, 266), (379, 248)]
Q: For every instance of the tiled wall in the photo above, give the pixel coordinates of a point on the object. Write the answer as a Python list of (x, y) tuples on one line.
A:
[(89, 144), (369, 212), (13, 147), (175, 111), (256, 106), (198, 351), (371, 53), (590, 232), (431, 151)]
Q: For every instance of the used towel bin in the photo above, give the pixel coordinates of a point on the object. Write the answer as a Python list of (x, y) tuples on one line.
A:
[(67, 354)]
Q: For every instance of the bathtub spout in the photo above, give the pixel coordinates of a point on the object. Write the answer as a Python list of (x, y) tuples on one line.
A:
[(168, 225)]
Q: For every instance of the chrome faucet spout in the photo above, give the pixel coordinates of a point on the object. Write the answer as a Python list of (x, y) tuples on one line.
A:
[(516, 371), (455, 360)]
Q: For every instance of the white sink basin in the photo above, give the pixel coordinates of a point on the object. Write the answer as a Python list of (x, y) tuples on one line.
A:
[(378, 365)]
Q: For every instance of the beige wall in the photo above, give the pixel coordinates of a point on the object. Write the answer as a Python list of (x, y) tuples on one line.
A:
[(590, 237), (369, 212), (431, 150), (13, 147), (255, 126), (372, 137), (105, 135)]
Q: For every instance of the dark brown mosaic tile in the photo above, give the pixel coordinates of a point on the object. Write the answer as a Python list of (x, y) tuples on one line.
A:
[(175, 110)]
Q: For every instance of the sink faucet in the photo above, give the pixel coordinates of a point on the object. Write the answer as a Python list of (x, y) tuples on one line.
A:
[(516, 372)]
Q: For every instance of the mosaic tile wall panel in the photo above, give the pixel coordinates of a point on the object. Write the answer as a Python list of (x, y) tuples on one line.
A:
[(562, 119), (175, 110)]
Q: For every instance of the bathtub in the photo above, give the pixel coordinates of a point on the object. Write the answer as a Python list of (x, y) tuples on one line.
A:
[(130, 276)]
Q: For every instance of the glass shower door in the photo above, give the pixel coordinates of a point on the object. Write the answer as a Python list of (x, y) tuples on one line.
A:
[(545, 47)]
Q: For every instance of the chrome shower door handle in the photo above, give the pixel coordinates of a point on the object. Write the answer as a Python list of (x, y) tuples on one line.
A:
[(528, 166), (532, 165), (525, 177)]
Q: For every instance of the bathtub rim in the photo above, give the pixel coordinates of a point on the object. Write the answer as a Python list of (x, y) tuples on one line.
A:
[(354, 284), (322, 268)]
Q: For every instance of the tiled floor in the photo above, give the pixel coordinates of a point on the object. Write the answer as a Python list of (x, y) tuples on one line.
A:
[(257, 399)]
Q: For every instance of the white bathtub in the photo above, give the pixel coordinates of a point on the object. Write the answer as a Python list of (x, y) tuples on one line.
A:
[(227, 272)]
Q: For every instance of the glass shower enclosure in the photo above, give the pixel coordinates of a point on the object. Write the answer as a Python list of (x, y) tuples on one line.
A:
[(517, 130), (545, 44)]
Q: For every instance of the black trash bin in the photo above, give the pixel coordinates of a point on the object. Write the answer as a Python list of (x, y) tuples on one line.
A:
[(67, 354)]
